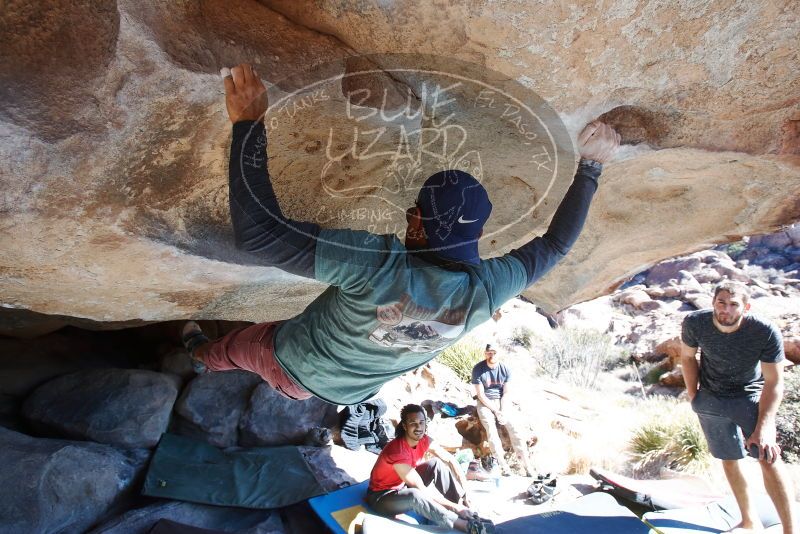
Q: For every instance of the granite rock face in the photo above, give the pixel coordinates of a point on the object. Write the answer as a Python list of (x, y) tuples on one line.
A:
[(231, 408), (113, 158), (272, 419), (142, 520), (212, 404), (49, 485), (125, 407)]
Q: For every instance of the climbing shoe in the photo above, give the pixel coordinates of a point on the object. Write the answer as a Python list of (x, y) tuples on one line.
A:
[(478, 525), (476, 472), (542, 489), (192, 338)]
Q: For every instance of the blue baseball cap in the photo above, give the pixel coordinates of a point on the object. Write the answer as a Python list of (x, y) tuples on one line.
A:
[(454, 207)]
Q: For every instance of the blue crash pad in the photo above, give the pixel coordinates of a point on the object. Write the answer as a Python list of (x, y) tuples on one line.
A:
[(597, 513), (339, 508)]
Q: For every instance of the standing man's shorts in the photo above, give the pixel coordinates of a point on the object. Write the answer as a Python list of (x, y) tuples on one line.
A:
[(251, 349), (727, 422)]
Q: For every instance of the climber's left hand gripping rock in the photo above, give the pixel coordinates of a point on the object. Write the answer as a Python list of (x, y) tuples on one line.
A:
[(245, 95)]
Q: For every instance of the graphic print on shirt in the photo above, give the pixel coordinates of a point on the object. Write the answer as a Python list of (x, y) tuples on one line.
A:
[(407, 325), (488, 383)]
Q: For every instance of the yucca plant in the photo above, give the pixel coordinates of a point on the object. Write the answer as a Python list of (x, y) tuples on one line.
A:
[(677, 442), (461, 358)]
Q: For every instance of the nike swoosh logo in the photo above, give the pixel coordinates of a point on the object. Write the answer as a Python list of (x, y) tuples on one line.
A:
[(462, 221)]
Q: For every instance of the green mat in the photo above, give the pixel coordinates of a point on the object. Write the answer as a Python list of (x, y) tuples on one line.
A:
[(266, 477)]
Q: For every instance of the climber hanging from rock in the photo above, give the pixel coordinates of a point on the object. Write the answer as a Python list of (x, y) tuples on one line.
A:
[(390, 308)]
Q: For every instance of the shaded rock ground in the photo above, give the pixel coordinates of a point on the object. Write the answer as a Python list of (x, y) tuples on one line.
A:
[(126, 407), (51, 485)]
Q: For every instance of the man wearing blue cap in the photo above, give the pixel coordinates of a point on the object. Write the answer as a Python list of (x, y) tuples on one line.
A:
[(390, 308)]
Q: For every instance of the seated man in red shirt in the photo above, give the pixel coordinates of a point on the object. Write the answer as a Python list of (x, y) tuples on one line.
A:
[(402, 481)]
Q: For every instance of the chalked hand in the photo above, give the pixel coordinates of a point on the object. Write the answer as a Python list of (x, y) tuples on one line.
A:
[(598, 142), (245, 95)]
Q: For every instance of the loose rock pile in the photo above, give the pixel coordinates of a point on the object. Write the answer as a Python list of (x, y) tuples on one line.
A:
[(645, 315), (84, 439)]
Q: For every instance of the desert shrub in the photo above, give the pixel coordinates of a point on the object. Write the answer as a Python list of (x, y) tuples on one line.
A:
[(788, 419), (653, 373), (622, 358), (671, 438), (461, 358), (577, 356), (523, 337), (734, 249)]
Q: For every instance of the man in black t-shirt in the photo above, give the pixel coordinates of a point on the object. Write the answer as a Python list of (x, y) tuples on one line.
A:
[(491, 381), (736, 391)]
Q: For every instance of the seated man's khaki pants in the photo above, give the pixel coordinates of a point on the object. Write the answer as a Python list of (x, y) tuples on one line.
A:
[(488, 421)]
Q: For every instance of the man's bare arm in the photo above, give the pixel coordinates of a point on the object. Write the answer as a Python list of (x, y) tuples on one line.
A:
[(690, 369), (765, 436), (482, 398)]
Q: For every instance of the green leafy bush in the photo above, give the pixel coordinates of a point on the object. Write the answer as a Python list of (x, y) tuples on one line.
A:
[(577, 356), (788, 420), (461, 358)]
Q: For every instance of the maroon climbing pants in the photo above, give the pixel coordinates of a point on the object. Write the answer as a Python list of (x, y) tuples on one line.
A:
[(251, 349)]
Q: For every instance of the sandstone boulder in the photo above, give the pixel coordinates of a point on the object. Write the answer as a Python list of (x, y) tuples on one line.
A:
[(178, 362), (211, 406), (124, 407), (775, 241), (793, 232), (271, 419), (791, 346), (670, 348), (693, 292), (639, 299), (771, 260), (672, 379), (591, 315), (670, 291), (336, 467), (50, 485), (648, 331), (729, 270), (240, 520), (671, 270), (444, 432), (752, 252), (708, 276)]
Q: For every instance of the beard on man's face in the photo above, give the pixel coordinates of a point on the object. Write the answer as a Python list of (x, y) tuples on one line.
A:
[(726, 319)]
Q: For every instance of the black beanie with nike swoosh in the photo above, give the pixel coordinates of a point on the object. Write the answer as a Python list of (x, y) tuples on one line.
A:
[(454, 207)]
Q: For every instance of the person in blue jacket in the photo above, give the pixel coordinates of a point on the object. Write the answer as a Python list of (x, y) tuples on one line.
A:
[(390, 306)]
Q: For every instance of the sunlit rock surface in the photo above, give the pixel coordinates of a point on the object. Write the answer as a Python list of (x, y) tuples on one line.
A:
[(114, 138)]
